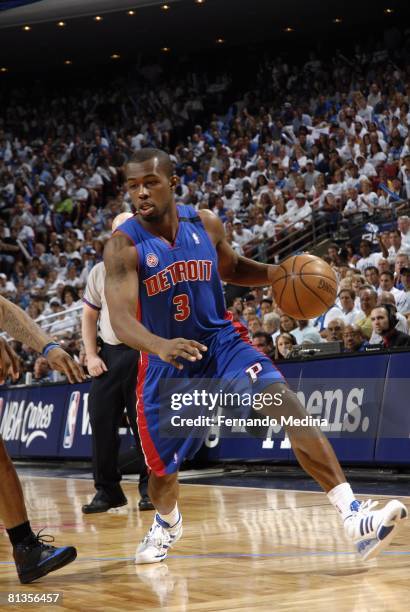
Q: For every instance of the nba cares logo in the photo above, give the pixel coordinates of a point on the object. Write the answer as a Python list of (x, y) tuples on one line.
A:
[(152, 260)]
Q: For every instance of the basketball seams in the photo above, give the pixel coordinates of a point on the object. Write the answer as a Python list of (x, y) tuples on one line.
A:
[(306, 274), (283, 289), (278, 279), (306, 263), (321, 276), (314, 292), (297, 301)]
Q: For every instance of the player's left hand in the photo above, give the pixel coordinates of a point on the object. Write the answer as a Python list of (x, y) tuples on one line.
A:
[(61, 361), (9, 362)]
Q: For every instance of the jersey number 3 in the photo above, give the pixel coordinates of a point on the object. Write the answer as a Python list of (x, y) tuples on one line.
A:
[(183, 310)]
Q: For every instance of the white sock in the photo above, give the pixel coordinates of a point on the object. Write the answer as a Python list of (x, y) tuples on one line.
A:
[(342, 498), (172, 518)]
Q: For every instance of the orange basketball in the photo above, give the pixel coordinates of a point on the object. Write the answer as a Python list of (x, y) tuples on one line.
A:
[(304, 286)]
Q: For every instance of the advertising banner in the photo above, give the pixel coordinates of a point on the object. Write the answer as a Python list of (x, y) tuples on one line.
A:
[(360, 402)]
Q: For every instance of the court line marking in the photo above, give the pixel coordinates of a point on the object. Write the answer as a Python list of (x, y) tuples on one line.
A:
[(240, 555), (189, 484), (199, 484)]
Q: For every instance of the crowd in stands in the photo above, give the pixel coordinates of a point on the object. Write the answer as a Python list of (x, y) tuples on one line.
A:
[(326, 140)]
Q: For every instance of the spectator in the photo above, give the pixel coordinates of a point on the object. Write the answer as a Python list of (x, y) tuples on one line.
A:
[(384, 321), (263, 228), (251, 299), (263, 342), (287, 324), (266, 306), (284, 344), (271, 322), (395, 247), (384, 299), (402, 261), (405, 282), (305, 332), (368, 301), (347, 299), (42, 372), (403, 225), (7, 287), (248, 312), (254, 325), (301, 215), (372, 277), (241, 235), (334, 331), (387, 284), (353, 340), (367, 258)]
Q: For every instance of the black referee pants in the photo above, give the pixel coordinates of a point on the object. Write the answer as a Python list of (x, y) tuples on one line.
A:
[(110, 393)]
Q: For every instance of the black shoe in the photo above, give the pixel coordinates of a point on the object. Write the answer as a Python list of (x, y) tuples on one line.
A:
[(102, 502), (35, 559), (145, 503)]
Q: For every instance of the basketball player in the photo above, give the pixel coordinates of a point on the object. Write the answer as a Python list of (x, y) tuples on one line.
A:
[(32, 556), (114, 372), (181, 328)]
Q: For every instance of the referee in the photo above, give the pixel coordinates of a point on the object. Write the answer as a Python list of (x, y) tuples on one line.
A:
[(114, 372)]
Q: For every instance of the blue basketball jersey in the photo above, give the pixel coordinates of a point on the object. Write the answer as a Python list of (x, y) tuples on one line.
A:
[(180, 292)]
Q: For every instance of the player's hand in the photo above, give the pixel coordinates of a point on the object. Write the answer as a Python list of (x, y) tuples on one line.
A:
[(170, 350), (62, 362), (9, 362), (96, 366)]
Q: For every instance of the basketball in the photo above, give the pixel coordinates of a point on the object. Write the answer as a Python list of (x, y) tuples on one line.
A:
[(304, 286)]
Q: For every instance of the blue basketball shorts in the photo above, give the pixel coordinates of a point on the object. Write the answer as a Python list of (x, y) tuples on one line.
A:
[(229, 359)]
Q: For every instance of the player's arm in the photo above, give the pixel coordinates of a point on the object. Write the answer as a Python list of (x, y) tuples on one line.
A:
[(234, 268), (121, 292), (22, 328)]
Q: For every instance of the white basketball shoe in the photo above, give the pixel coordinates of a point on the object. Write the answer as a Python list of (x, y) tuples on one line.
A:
[(373, 530), (154, 547)]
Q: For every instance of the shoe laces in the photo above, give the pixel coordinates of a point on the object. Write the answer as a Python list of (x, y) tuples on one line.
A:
[(367, 506), (44, 539), (156, 536)]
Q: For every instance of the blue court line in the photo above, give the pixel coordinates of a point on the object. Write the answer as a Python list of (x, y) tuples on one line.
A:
[(237, 555)]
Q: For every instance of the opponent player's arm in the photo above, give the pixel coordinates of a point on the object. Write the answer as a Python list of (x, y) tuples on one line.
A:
[(234, 268), (121, 292), (22, 328)]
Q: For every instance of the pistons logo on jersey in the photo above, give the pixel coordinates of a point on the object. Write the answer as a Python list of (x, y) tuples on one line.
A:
[(152, 260)]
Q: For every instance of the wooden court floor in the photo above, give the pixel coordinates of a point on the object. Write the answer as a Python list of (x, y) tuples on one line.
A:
[(243, 549)]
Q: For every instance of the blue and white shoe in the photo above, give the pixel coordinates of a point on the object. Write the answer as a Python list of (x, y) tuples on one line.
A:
[(154, 547), (373, 530)]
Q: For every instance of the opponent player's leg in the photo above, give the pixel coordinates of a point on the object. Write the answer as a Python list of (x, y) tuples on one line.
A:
[(12, 507), (33, 558), (371, 530), (167, 526)]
